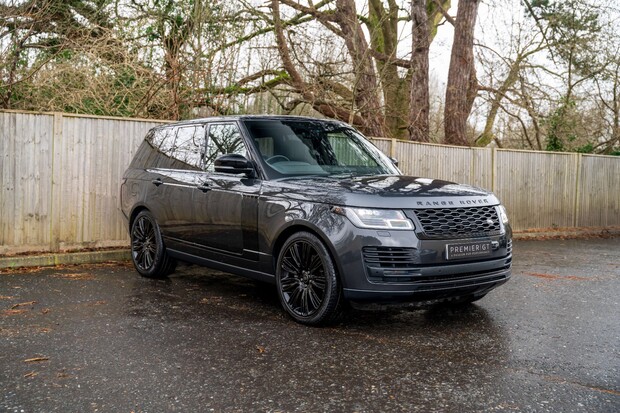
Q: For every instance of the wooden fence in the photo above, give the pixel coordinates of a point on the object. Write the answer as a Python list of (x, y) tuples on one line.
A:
[(60, 177)]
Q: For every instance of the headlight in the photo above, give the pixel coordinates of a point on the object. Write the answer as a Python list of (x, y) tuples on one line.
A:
[(378, 218), (502, 214)]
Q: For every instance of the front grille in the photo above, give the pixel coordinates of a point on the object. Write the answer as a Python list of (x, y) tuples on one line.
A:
[(442, 223)]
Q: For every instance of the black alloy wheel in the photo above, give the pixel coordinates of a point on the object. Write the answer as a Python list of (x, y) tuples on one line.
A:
[(148, 252), (307, 283)]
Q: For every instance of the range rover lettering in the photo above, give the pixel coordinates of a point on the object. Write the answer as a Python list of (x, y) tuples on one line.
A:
[(313, 207)]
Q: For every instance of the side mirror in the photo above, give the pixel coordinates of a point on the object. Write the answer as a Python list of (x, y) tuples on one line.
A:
[(394, 160), (233, 163)]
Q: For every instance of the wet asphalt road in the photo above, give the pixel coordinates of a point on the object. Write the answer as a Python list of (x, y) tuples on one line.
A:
[(110, 341)]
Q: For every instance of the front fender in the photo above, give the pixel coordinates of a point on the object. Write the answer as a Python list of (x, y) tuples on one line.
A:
[(280, 218)]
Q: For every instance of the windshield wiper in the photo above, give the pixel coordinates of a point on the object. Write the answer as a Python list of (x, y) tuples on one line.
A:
[(342, 175)]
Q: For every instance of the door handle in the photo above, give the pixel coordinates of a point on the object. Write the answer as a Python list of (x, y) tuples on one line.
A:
[(157, 182), (204, 187)]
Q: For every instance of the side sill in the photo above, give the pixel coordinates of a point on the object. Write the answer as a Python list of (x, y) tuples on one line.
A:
[(216, 265)]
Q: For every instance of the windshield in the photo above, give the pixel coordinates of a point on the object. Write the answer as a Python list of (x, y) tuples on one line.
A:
[(308, 147)]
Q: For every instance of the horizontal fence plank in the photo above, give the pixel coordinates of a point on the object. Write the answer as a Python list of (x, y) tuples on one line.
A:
[(60, 176)]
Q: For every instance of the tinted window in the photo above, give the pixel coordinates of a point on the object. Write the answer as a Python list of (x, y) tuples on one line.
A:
[(300, 147), (348, 152), (163, 140), (184, 144), (189, 145), (224, 138)]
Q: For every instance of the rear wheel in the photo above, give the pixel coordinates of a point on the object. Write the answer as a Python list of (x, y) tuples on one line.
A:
[(148, 252), (306, 279)]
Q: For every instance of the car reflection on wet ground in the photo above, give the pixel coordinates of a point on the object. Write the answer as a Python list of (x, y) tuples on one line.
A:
[(100, 338)]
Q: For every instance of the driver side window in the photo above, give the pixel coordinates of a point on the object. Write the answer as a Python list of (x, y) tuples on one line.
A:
[(223, 138)]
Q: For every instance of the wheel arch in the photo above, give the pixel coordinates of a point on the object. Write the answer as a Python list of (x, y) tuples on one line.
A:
[(134, 213), (305, 226)]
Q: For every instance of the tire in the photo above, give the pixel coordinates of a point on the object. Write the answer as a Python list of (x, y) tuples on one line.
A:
[(306, 280), (148, 252)]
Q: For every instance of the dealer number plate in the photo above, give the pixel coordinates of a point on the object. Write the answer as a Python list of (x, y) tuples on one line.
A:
[(468, 250)]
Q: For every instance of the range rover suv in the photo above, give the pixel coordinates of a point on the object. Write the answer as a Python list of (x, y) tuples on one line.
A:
[(313, 207)]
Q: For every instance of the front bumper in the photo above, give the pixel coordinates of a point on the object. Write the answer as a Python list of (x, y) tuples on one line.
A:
[(431, 288), (417, 270)]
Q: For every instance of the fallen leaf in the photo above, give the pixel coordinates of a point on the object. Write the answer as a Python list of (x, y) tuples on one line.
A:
[(260, 349), (23, 304), (12, 312), (31, 374), (45, 311), (36, 359)]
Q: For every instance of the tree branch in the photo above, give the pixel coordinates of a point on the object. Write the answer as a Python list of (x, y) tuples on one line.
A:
[(444, 12)]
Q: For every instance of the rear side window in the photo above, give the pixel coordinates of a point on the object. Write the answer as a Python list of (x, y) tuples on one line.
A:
[(189, 145), (224, 138), (183, 146)]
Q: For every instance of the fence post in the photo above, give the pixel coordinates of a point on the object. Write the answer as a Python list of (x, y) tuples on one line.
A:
[(55, 194), (577, 192), (493, 169), (472, 167)]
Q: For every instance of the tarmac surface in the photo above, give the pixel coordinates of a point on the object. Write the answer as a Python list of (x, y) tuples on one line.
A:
[(98, 338)]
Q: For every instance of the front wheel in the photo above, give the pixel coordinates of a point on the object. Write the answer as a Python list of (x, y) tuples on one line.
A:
[(148, 252), (306, 279)]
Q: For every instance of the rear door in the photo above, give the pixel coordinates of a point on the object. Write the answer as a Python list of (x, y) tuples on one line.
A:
[(175, 173)]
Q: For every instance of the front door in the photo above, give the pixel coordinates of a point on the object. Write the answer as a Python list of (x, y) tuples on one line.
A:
[(225, 205)]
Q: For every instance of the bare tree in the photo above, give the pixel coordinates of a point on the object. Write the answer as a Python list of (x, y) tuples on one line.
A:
[(419, 97), (462, 85)]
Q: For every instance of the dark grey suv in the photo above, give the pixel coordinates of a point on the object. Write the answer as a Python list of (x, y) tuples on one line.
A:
[(313, 207)]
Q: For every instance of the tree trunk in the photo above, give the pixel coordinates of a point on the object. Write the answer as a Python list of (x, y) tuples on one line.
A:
[(382, 25), (513, 75), (462, 84), (366, 87), (419, 97)]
